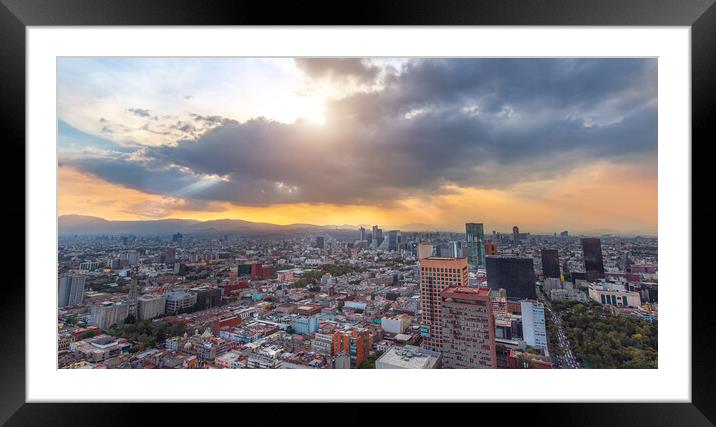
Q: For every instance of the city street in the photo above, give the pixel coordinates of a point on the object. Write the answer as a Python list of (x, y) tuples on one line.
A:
[(566, 359)]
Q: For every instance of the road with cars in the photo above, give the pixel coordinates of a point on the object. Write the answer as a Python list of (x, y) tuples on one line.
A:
[(566, 359)]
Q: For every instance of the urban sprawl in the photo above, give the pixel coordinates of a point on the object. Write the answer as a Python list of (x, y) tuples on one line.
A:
[(357, 299)]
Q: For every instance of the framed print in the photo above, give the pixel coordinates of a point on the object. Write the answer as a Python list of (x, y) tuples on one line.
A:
[(453, 203)]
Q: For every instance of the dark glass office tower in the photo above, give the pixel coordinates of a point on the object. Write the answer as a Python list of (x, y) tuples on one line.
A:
[(320, 242), (593, 263), (516, 275), (475, 238), (393, 240), (550, 263)]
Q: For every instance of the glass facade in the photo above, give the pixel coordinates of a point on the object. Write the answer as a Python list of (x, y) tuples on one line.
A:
[(515, 275), (550, 263), (475, 239), (593, 263)]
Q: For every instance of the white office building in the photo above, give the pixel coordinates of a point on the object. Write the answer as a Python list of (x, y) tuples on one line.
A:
[(533, 325)]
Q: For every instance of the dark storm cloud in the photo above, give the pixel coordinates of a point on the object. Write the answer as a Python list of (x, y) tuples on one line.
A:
[(338, 69), (484, 123), (141, 112)]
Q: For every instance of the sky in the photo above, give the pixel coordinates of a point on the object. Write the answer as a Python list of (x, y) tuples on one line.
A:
[(408, 143)]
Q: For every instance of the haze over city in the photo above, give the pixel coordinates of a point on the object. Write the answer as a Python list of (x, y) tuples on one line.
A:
[(548, 144)]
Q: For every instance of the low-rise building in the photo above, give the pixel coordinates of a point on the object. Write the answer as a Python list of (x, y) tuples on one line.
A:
[(614, 294), (64, 341), (322, 344), (568, 295), (230, 360), (395, 324), (178, 301), (100, 348), (303, 325), (408, 357)]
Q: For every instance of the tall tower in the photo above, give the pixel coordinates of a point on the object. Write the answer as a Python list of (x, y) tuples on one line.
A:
[(468, 328), (377, 236), (593, 262), (393, 240), (437, 274), (133, 293), (516, 233), (550, 263), (475, 237)]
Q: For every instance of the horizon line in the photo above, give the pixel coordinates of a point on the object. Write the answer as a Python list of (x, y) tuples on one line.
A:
[(357, 226)]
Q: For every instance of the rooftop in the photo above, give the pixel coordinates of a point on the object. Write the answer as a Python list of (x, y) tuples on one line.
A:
[(463, 292), (409, 357)]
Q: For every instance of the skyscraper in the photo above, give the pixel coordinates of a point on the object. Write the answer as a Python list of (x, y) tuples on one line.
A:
[(393, 240), (516, 233), (468, 328), (437, 274), (362, 233), (516, 275), (133, 296), (70, 290), (593, 263), (550, 263), (320, 242), (475, 236), (170, 256), (377, 236)]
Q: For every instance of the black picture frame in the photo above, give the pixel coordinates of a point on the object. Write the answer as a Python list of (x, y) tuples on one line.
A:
[(16, 15)]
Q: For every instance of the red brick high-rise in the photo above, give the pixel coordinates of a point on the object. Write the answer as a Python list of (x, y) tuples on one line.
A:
[(436, 275), (468, 329)]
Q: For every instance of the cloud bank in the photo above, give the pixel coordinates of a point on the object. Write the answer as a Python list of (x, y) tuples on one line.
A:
[(419, 130)]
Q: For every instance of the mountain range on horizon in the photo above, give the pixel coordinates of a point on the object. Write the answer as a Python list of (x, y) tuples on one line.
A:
[(92, 225), (89, 225), (81, 224)]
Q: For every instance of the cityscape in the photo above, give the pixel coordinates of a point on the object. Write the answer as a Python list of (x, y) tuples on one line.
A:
[(383, 213)]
